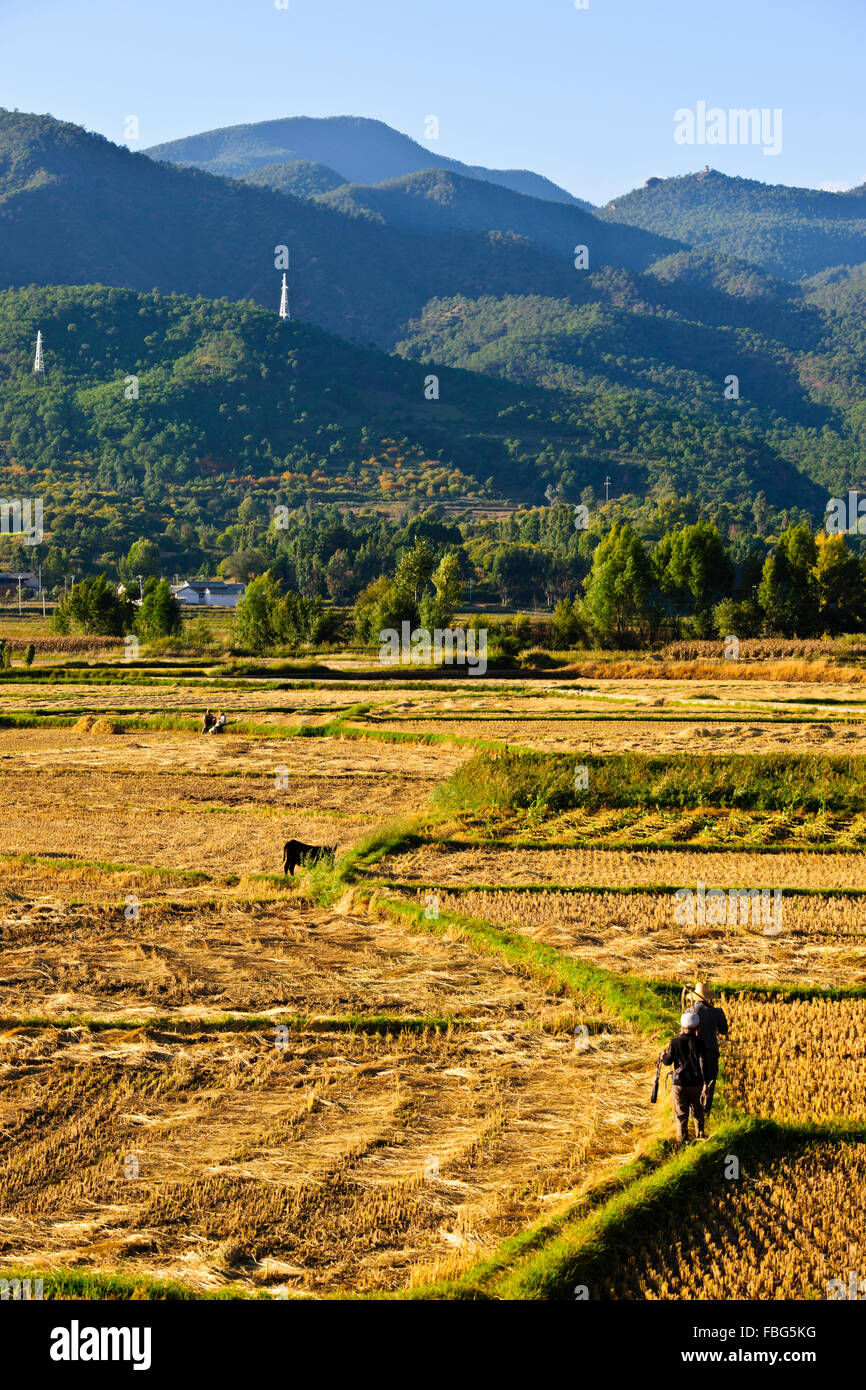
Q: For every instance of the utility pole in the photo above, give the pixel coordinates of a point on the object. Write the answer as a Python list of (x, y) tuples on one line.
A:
[(607, 489), (19, 593), (140, 578)]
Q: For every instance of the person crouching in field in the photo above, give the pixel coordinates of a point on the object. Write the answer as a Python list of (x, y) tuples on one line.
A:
[(688, 1057), (712, 1023)]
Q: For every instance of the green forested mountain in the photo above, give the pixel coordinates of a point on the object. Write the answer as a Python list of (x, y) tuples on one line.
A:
[(300, 178), (165, 416), (439, 202), (559, 375), (792, 232), (76, 209), (363, 150)]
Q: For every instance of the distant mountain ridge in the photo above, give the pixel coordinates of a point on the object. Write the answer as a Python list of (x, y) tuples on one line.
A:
[(76, 208), (439, 201), (792, 232), (360, 149)]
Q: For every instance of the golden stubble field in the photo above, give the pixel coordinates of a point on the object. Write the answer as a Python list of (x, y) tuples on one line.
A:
[(822, 941), (166, 1124), (152, 1117)]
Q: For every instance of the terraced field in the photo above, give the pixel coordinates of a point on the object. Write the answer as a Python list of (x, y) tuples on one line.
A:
[(379, 1077)]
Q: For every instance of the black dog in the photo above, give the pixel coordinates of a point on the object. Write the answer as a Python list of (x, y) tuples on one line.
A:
[(295, 853)]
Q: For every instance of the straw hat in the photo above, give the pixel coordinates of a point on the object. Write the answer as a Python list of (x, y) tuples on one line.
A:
[(702, 992)]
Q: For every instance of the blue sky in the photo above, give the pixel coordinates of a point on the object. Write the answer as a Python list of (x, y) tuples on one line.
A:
[(586, 97)]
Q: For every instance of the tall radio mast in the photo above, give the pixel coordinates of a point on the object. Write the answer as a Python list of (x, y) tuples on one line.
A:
[(284, 301), (39, 362)]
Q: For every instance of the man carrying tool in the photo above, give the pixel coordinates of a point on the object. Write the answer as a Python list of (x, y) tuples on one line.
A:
[(712, 1023), (688, 1057)]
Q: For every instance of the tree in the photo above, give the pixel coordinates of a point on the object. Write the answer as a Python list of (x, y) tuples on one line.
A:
[(380, 606), (620, 584), (788, 592), (438, 611), (243, 565), (692, 567), (142, 559), (337, 574), (513, 570), (567, 626), (256, 620), (840, 584), (160, 613), (737, 617), (95, 606), (414, 570)]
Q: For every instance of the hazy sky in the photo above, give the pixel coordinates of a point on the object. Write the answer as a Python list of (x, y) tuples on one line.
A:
[(585, 96)]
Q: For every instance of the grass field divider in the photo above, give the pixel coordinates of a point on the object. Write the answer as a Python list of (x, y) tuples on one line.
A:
[(64, 1284), (628, 999), (69, 861), (248, 1023), (548, 1260), (625, 890), (579, 1252)]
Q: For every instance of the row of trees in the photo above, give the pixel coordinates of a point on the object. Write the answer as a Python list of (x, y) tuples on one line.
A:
[(808, 584), (632, 593)]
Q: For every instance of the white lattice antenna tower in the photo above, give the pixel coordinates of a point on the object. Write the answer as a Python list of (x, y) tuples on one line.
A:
[(39, 362), (284, 300)]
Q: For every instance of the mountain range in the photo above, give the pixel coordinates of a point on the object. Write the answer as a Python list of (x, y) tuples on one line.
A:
[(627, 332), (363, 150)]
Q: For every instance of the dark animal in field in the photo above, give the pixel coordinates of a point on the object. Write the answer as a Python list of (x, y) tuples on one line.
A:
[(295, 853)]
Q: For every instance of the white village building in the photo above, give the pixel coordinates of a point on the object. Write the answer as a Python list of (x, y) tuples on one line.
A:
[(209, 593)]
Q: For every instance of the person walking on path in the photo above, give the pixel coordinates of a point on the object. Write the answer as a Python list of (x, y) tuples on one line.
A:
[(688, 1056), (712, 1023)]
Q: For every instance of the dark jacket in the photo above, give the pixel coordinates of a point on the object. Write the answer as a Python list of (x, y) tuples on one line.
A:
[(712, 1023), (688, 1057)]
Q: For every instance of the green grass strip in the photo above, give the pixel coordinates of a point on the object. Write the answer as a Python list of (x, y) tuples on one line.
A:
[(626, 890), (581, 1252), (623, 996), (58, 1284), (247, 1023)]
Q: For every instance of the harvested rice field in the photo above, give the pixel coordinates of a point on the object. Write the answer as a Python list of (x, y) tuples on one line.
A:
[(822, 940), (792, 1231), (332, 1160), (364, 1079), (599, 868), (799, 1059)]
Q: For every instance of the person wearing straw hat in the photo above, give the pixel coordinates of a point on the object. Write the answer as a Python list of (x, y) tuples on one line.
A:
[(712, 1023)]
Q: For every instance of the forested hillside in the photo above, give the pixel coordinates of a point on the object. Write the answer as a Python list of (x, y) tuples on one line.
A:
[(76, 209), (233, 405), (792, 232)]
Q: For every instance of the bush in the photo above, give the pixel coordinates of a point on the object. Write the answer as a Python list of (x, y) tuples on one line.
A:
[(568, 626), (736, 617), (29, 654), (509, 781), (95, 606)]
